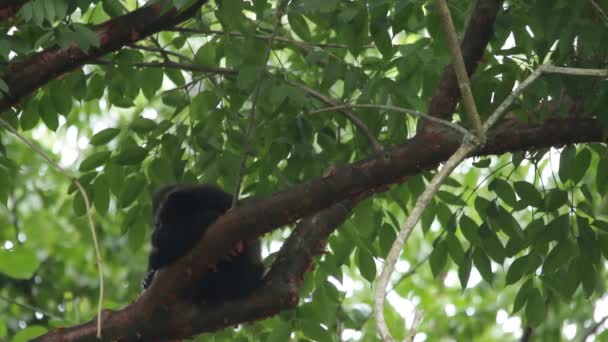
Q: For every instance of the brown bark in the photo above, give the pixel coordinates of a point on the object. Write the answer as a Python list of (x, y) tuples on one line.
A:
[(477, 36), (26, 77), (159, 313)]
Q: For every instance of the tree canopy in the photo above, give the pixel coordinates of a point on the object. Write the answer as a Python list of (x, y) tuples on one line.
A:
[(329, 120)]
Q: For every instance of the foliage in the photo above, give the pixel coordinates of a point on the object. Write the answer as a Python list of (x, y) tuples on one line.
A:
[(511, 241)]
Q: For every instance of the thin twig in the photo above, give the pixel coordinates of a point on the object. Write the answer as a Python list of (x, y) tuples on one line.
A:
[(409, 273), (527, 335), (501, 109), (551, 69), (169, 65), (345, 111), (160, 50), (468, 146), (413, 112), (415, 325), (256, 93), (263, 36), (543, 69), (31, 308), (593, 329), (459, 68), (87, 205)]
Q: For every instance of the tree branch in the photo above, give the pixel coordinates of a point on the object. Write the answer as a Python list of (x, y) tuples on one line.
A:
[(170, 65), (183, 319), (477, 36), (459, 68), (26, 77), (157, 305), (345, 110)]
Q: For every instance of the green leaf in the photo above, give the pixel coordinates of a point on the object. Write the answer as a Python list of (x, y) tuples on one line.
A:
[(142, 125), (464, 270), (61, 97), (482, 163), (386, 238), (566, 163), (581, 165), (85, 37), (280, 332), (555, 199), (528, 193), (469, 230), (438, 258), (602, 239), (450, 198), (130, 155), (600, 175), (518, 269), (136, 236), (299, 26), (504, 191), (150, 81), (95, 160), (535, 307), (48, 114), (176, 76), (455, 249), (483, 265), (522, 296), (202, 104), (104, 136), (559, 255), (492, 245), (205, 55), (534, 229), (378, 30), (101, 195), (556, 230), (113, 7), (134, 185), (570, 282), (84, 180), (588, 275), (96, 87), (315, 331), (78, 204), (366, 264), (29, 116), (19, 263), (29, 333)]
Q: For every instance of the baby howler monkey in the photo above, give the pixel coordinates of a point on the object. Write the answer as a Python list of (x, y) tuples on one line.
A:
[(182, 214)]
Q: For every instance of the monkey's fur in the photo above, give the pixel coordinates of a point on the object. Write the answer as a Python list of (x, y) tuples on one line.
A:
[(182, 214)]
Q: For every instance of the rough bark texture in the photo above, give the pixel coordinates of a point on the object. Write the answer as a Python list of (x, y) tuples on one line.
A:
[(477, 36), (26, 77), (159, 313)]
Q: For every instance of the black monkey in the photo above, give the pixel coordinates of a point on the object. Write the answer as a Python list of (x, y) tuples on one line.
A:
[(182, 214)]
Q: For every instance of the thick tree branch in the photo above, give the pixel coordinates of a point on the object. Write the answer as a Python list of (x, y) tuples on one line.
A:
[(477, 36), (26, 77), (157, 306), (459, 68), (182, 319)]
